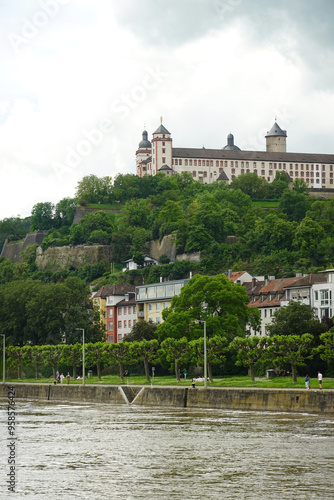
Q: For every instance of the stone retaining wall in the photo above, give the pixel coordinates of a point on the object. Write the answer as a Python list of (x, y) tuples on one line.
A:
[(283, 400)]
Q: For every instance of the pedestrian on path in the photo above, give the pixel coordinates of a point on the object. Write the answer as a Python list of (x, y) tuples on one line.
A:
[(320, 380), (307, 382), (68, 376)]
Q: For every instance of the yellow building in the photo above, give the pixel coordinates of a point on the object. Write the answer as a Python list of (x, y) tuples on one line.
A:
[(154, 298)]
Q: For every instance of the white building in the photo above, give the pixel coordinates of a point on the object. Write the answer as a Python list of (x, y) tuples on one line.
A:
[(210, 165)]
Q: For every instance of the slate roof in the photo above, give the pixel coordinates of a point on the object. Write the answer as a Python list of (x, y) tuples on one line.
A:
[(161, 130), (276, 131), (224, 154)]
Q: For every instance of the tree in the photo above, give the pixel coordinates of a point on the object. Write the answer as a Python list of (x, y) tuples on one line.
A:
[(326, 348), (294, 205), (15, 358), (176, 352), (251, 184), (42, 216), (65, 212), (51, 356), (295, 319), (33, 355), (142, 330), (96, 354), (249, 350), (119, 354), (290, 349), (92, 189), (72, 355), (146, 350), (216, 348), (219, 301)]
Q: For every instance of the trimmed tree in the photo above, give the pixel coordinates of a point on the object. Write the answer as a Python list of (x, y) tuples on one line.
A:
[(290, 349), (249, 350)]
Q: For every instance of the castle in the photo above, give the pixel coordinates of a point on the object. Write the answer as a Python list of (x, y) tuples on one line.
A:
[(210, 165)]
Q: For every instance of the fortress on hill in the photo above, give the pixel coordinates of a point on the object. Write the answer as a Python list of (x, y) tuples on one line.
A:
[(210, 165)]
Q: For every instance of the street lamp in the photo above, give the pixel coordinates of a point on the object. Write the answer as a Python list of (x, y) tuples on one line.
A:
[(3, 358), (83, 354), (205, 359)]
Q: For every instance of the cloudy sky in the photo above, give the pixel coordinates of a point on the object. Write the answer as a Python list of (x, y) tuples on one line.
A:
[(81, 78)]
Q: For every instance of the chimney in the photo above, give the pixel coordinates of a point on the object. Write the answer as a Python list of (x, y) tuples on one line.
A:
[(229, 274), (253, 283)]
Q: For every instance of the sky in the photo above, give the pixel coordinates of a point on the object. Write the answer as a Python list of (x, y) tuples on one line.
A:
[(80, 79)]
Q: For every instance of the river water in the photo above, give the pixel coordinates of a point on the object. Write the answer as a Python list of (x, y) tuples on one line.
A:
[(66, 451)]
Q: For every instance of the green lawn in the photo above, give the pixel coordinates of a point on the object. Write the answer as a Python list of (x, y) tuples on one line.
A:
[(101, 206), (278, 382)]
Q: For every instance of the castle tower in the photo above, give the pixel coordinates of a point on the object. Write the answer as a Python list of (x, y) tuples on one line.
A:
[(162, 151), (143, 152), (276, 139)]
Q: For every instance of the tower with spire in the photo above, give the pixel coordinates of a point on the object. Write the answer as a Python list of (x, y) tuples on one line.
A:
[(162, 148)]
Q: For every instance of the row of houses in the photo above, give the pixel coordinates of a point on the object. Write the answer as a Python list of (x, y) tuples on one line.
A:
[(121, 305)]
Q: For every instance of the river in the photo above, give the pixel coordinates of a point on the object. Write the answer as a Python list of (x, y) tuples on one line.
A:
[(66, 451)]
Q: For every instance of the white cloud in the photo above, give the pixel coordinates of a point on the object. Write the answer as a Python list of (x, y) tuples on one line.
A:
[(94, 61)]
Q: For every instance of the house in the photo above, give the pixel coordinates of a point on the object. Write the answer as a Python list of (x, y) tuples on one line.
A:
[(107, 300), (131, 265)]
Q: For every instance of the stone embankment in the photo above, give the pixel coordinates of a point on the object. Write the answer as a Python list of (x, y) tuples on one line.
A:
[(282, 400)]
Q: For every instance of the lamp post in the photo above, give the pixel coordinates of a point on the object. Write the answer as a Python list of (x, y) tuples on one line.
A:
[(3, 358), (205, 359), (83, 354)]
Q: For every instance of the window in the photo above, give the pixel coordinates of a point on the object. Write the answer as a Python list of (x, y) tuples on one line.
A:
[(150, 307), (190, 163), (157, 306), (110, 325), (180, 162), (157, 321), (119, 324), (316, 295), (119, 311), (195, 163), (194, 173), (164, 160), (129, 310), (124, 311), (125, 323), (199, 163), (176, 162), (134, 322), (134, 309), (129, 323), (186, 162), (163, 150), (110, 339), (110, 313)]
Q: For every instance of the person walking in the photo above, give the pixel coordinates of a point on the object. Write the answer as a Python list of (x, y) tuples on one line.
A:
[(68, 376), (320, 380), (307, 382), (61, 378)]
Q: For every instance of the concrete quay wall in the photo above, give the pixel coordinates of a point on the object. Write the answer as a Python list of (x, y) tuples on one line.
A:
[(246, 399)]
